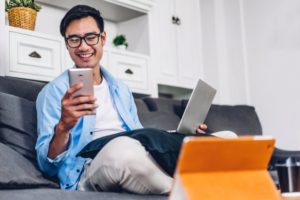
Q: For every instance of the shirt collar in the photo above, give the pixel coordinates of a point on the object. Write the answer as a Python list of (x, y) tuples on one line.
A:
[(111, 81)]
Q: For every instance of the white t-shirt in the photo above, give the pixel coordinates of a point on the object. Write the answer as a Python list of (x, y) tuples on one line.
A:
[(108, 120)]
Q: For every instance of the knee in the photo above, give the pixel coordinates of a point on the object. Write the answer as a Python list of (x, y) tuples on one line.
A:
[(126, 153)]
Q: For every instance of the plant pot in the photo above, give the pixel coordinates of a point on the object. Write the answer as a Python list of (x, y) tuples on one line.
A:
[(22, 17)]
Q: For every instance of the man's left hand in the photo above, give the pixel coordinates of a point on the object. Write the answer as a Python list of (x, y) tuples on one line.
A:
[(201, 129)]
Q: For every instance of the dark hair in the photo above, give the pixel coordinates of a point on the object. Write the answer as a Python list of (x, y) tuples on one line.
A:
[(78, 12)]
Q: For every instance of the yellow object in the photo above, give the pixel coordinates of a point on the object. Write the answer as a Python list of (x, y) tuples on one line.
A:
[(227, 169), (22, 17)]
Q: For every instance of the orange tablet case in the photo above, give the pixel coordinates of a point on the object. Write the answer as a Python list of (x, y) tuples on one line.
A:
[(227, 169)]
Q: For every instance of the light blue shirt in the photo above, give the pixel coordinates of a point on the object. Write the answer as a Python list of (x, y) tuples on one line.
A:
[(67, 166)]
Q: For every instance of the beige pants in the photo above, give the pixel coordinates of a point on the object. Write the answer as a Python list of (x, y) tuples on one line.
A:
[(123, 163)]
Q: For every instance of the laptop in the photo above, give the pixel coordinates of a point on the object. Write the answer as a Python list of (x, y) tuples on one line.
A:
[(233, 169), (197, 107)]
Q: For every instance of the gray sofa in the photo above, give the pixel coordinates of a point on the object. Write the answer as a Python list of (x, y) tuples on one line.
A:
[(19, 175)]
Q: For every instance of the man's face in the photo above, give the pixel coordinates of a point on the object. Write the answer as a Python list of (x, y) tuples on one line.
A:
[(85, 56)]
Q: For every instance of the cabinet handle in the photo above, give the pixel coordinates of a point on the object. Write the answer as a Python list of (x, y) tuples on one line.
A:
[(35, 54), (129, 71), (174, 19), (178, 21)]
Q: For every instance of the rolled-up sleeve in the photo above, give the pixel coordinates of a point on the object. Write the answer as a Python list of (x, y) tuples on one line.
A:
[(48, 108), (134, 114)]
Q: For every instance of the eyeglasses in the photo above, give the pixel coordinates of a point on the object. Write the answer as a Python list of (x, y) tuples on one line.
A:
[(90, 39)]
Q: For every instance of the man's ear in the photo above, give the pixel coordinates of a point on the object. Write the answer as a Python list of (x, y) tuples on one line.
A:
[(103, 38)]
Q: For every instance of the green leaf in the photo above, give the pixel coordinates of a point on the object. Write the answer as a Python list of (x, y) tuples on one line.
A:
[(120, 40), (22, 3)]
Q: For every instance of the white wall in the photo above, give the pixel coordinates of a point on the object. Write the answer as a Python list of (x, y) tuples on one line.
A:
[(272, 30), (223, 54), (252, 55)]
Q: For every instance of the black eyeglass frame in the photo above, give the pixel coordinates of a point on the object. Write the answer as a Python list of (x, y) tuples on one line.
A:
[(83, 38)]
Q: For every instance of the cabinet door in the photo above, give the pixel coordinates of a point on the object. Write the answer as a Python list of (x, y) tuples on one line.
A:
[(132, 70), (189, 42), (179, 44), (33, 56), (166, 42)]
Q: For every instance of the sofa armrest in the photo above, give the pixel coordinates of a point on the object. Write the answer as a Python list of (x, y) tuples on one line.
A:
[(281, 155)]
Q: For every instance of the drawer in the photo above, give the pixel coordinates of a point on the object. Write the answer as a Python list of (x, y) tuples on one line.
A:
[(35, 56), (132, 70)]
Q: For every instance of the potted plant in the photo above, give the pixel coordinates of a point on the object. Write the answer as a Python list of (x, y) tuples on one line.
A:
[(120, 42), (22, 13)]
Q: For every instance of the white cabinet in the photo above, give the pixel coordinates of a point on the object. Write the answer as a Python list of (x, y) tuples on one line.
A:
[(41, 54), (34, 56), (131, 68), (178, 53), (139, 5), (114, 10)]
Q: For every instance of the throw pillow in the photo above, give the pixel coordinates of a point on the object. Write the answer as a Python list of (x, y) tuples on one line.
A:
[(18, 124), (240, 119), (18, 172)]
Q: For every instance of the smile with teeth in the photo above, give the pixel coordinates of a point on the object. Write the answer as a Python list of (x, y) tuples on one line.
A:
[(85, 55)]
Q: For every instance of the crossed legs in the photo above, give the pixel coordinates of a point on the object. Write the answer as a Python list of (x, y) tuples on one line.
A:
[(123, 163)]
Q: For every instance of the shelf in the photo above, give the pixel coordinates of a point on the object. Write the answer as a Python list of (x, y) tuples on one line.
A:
[(113, 10), (127, 17)]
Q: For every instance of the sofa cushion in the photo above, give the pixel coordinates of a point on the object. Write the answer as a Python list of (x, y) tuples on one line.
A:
[(159, 120), (18, 172), (240, 119), (27, 89), (141, 106), (18, 124), (164, 105), (56, 194)]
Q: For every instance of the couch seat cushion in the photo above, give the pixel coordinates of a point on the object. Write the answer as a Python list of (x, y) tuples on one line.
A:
[(55, 194), (18, 172)]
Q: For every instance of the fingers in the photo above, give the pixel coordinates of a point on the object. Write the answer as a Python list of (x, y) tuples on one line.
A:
[(75, 107), (86, 112), (73, 89), (88, 99), (73, 101), (85, 107), (201, 129), (203, 126)]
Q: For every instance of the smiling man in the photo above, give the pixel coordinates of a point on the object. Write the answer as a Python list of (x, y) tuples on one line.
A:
[(66, 123)]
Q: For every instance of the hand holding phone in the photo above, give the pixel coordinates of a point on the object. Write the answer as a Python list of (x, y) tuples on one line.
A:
[(82, 75)]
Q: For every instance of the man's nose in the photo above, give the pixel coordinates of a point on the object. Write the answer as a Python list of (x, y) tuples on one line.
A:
[(83, 45)]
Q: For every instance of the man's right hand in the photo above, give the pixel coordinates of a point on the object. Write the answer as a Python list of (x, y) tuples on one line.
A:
[(75, 107), (72, 109)]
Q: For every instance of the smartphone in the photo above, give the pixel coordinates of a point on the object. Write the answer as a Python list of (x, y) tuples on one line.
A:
[(84, 75)]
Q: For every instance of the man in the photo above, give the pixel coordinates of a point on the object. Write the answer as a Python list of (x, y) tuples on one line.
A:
[(66, 123)]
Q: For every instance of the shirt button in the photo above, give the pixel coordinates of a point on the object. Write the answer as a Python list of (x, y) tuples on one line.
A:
[(91, 133), (77, 170)]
